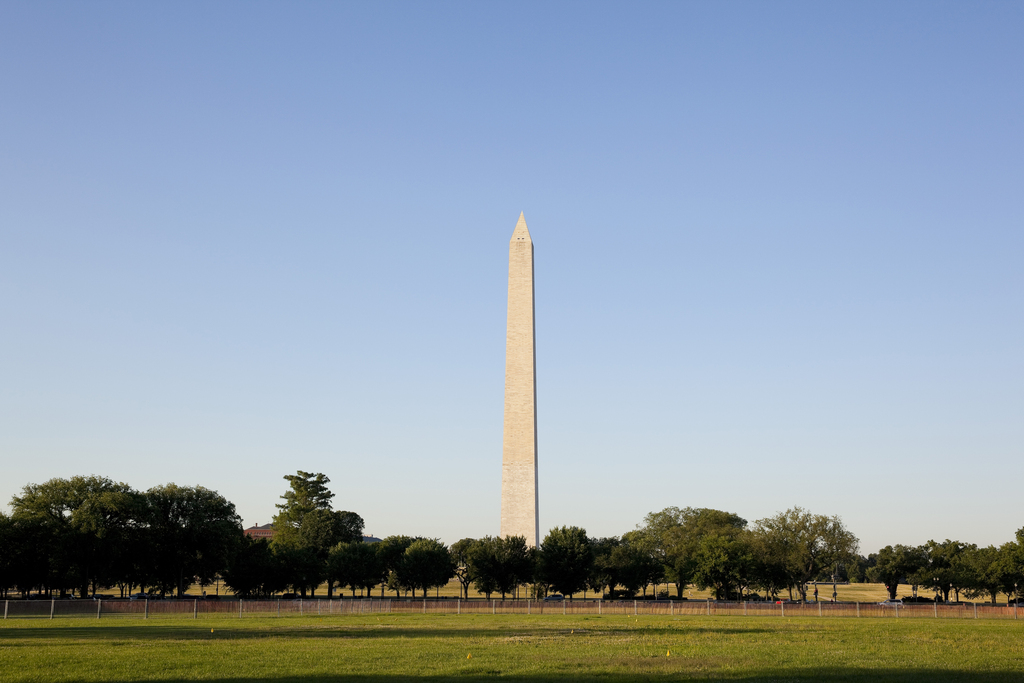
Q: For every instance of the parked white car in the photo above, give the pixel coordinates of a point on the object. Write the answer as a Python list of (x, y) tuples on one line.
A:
[(891, 603)]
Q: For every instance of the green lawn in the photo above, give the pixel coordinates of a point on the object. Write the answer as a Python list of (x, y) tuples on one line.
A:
[(514, 647)]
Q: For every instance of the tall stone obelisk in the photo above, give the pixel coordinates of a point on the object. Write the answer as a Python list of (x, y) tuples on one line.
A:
[(519, 447)]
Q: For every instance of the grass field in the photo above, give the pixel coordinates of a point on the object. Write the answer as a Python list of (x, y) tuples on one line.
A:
[(389, 648), (854, 592)]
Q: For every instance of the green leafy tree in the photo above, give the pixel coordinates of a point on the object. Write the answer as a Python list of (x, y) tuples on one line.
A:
[(29, 554), (500, 564), (482, 565), (303, 570), (460, 559), (941, 571), (306, 522), (635, 563), (196, 531), (355, 564), (722, 563), (566, 560), (8, 554), (425, 564), (253, 570), (391, 552), (895, 564), (85, 524), (603, 575), (812, 543), (665, 529), (676, 535), (769, 569), (992, 571)]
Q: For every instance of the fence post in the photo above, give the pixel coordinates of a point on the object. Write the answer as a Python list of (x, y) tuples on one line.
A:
[(744, 608), (195, 609), (99, 606), (458, 607), (858, 609), (709, 607), (389, 605), (975, 610), (239, 608), (146, 614), (563, 606), (300, 607), (318, 606), (6, 602), (819, 609), (529, 611), (936, 609), (492, 606), (783, 606), (53, 601), (424, 605), (672, 608)]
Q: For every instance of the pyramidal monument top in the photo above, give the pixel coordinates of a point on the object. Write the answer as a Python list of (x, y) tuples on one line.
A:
[(521, 232)]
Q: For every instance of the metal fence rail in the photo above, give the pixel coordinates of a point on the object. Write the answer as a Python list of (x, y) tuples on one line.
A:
[(239, 609)]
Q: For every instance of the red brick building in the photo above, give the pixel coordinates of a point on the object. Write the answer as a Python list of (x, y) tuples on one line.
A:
[(266, 531)]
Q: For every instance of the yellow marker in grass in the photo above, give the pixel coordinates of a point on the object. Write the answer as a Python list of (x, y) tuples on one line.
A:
[(469, 656)]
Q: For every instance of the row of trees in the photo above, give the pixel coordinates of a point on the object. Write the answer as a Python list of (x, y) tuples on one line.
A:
[(83, 534), (706, 548), (950, 567), (785, 552), (88, 533)]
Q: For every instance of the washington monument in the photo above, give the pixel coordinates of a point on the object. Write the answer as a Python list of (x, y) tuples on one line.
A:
[(519, 445)]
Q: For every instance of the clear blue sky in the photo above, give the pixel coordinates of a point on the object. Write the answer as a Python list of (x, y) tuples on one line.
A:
[(778, 256)]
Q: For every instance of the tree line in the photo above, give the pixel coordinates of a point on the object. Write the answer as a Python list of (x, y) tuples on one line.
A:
[(80, 535)]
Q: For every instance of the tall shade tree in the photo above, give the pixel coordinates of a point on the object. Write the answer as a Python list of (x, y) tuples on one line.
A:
[(425, 564), (769, 570), (500, 564), (460, 559), (254, 570), (308, 528), (722, 563), (664, 529), (86, 524), (677, 533), (390, 552), (896, 564), (813, 543), (940, 572), (992, 570), (635, 564), (603, 575), (196, 530), (356, 565), (28, 555), (566, 559), (8, 559)]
